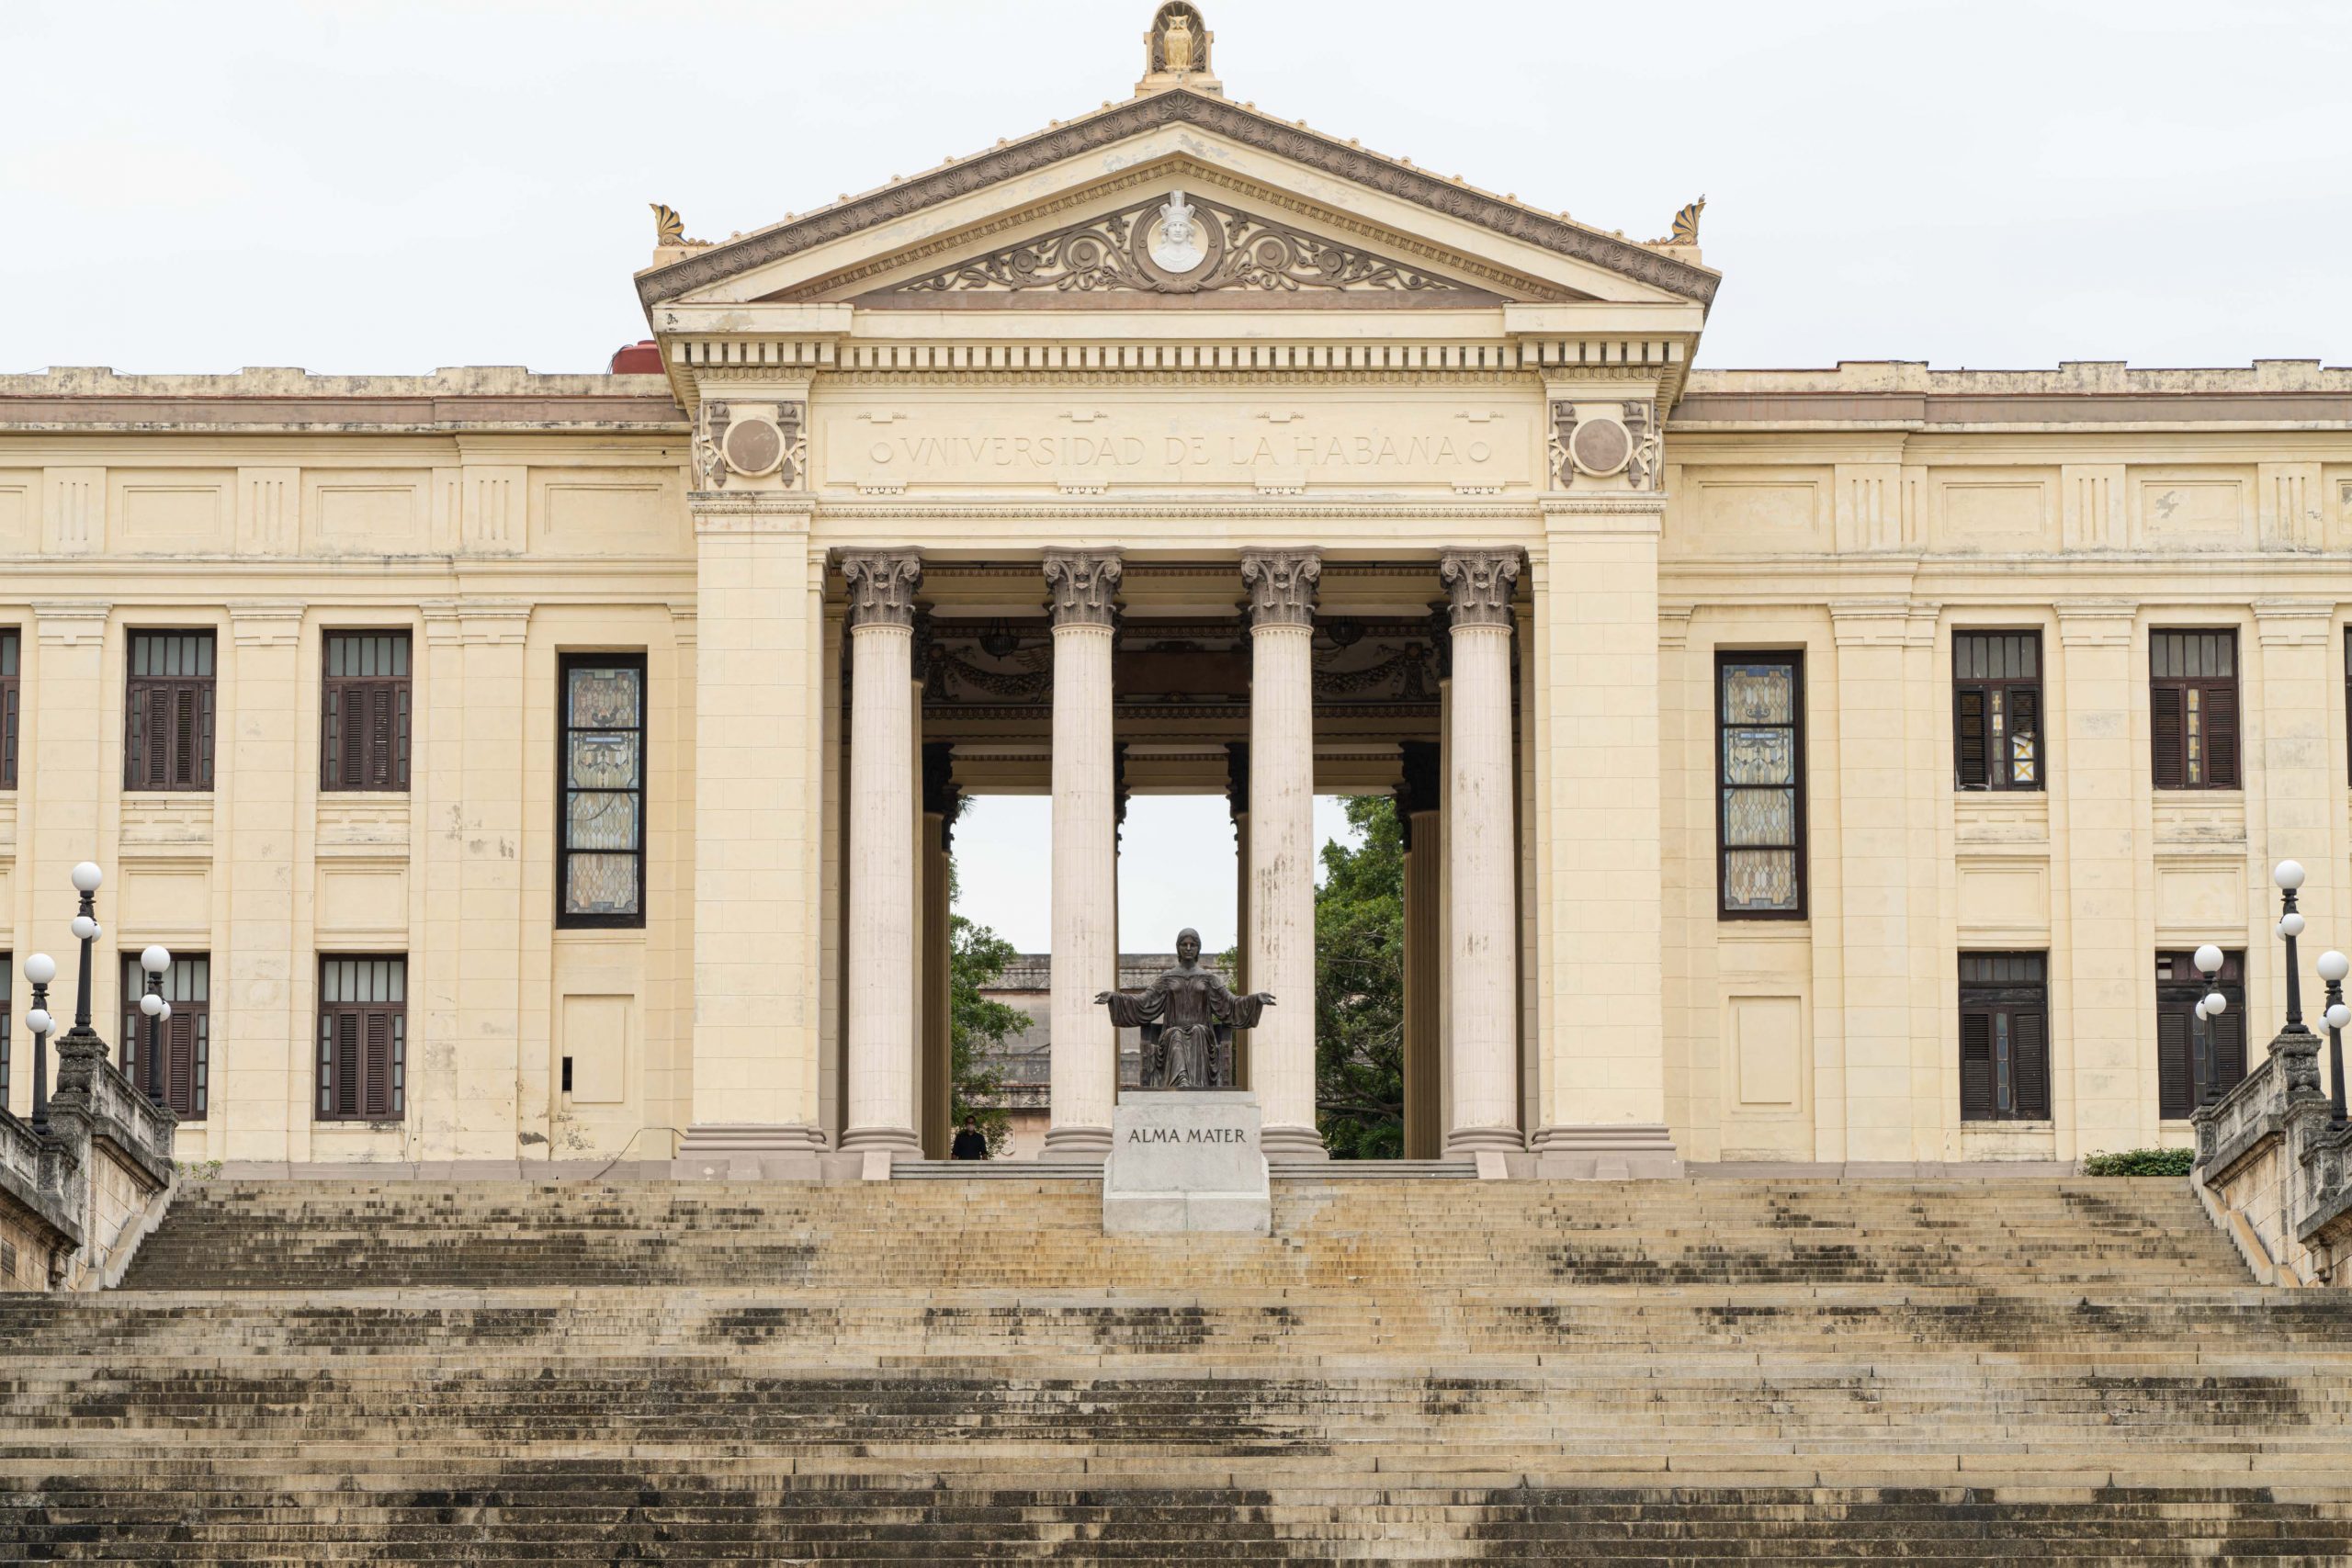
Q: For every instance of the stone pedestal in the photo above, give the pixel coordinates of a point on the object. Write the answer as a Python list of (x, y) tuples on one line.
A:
[(1187, 1160)]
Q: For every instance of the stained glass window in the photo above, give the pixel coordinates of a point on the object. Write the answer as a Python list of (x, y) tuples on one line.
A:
[(603, 811), (1760, 726)]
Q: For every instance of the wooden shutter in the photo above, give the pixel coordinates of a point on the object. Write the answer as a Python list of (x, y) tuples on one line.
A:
[(2176, 1096), (379, 773), (2029, 1065), (1969, 737), (1977, 1065), (179, 1061), (376, 1046), (2228, 1035), (2025, 718), (2165, 704), (8, 733), (2220, 701), (346, 1061)]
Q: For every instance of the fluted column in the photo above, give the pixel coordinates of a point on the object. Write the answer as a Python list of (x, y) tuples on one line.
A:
[(1083, 586), (1282, 843), (1237, 799), (1480, 845), (881, 854)]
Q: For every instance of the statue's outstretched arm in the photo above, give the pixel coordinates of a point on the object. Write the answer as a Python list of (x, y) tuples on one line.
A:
[(1131, 1010)]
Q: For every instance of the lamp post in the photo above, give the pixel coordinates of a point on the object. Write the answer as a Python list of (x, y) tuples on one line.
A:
[(2208, 959), (87, 930), (2332, 967), (155, 961), (40, 969), (2289, 875)]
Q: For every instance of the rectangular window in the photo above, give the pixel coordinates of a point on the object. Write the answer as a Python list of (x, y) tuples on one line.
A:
[(1759, 757), (11, 652), (364, 712), (363, 1039), (187, 1036), (2198, 1060), (167, 712), (1997, 710), (2193, 708), (2004, 1037), (7, 970), (601, 816)]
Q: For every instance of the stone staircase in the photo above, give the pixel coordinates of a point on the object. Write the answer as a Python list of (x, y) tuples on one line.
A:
[(2065, 1371)]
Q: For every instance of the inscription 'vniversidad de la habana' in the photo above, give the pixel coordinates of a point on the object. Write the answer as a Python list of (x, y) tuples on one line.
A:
[(1361, 449)]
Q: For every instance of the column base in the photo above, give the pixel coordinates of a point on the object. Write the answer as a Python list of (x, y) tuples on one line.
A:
[(1485, 1140), (741, 1151), (1626, 1151), (1290, 1146), (1077, 1145)]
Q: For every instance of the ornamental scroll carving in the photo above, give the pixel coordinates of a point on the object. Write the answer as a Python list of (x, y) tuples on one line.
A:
[(1563, 432), (752, 443), (882, 586), (1219, 248), (1282, 586), (1084, 587), (1645, 469), (1478, 585)]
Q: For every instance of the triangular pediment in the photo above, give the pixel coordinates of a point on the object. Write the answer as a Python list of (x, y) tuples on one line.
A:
[(1181, 246), (1074, 214)]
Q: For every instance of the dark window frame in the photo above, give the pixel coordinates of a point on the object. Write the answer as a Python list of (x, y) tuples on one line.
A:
[(1795, 659), (2197, 1063), (367, 1091), (1992, 716), (370, 762), (565, 664), (187, 704), (7, 1017), (2196, 723), (11, 664), (2005, 1024), (188, 1035)]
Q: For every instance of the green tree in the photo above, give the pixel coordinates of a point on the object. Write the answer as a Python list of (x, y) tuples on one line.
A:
[(977, 957), (1360, 987)]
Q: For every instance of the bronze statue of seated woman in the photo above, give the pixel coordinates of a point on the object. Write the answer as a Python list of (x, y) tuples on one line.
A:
[(1188, 1015)]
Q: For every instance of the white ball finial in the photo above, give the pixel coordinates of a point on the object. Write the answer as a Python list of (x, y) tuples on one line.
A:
[(84, 929), (2209, 958), (2216, 1004), (2291, 923), (152, 1004), (157, 959), (2339, 1017), (41, 968), (165, 1015), (2288, 874), (2333, 966), (38, 1021), (87, 876)]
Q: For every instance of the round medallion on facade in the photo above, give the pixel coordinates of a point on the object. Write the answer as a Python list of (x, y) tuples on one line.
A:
[(1602, 447), (1179, 247), (754, 447)]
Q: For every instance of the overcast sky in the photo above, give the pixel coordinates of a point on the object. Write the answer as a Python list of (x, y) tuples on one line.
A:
[(390, 186)]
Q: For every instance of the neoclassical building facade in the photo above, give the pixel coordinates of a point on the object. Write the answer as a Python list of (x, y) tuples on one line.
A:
[(1799, 765)]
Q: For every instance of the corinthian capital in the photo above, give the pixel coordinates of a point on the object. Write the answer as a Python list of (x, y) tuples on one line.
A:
[(882, 586), (1084, 585), (1479, 585), (1282, 586)]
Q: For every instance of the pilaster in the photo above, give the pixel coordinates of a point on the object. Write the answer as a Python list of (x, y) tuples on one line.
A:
[(757, 800), (261, 1066), (2101, 972), (486, 1058), (1599, 837)]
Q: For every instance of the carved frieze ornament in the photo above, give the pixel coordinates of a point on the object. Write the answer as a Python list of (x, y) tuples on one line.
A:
[(1645, 469), (710, 464), (1282, 586), (882, 586), (1478, 585), (1563, 432), (1179, 244), (1084, 585)]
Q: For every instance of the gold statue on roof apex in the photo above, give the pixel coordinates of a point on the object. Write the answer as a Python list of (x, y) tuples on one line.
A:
[(1178, 44)]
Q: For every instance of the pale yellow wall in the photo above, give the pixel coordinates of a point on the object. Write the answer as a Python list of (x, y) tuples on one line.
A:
[(1864, 543)]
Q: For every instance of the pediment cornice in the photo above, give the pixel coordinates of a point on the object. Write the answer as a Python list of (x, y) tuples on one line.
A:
[(1243, 126)]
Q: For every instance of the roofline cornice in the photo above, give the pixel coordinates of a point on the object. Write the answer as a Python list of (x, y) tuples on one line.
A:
[(1176, 106)]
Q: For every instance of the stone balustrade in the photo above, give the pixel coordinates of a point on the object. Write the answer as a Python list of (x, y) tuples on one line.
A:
[(76, 1200), (2273, 1173)]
